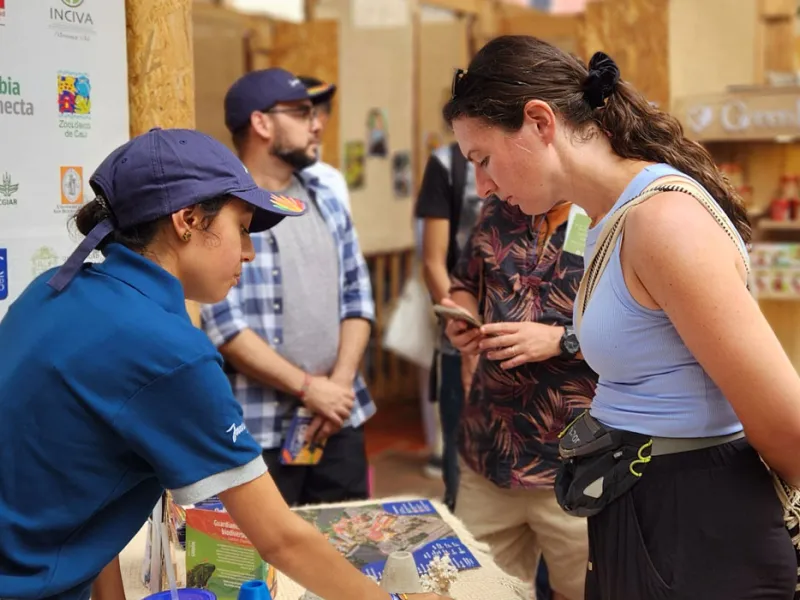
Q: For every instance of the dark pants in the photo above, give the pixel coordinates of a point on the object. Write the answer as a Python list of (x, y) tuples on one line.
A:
[(450, 394), (542, 582), (341, 475), (701, 525)]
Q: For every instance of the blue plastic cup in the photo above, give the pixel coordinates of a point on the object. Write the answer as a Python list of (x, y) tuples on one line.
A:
[(184, 594), (254, 590)]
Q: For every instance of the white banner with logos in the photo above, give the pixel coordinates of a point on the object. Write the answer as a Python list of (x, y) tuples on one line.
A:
[(63, 108)]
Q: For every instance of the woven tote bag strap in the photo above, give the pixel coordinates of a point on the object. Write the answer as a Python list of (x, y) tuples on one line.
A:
[(602, 253), (615, 224), (678, 183)]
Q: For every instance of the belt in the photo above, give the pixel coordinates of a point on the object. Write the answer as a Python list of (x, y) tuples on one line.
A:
[(663, 445)]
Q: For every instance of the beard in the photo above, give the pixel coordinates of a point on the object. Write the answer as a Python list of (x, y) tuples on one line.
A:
[(297, 158)]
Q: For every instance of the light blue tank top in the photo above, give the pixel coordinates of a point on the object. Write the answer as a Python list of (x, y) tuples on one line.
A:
[(649, 381)]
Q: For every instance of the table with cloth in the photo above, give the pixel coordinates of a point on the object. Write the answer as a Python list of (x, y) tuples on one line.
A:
[(488, 582)]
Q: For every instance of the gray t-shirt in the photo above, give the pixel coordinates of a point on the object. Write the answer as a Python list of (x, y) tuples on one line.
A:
[(310, 268)]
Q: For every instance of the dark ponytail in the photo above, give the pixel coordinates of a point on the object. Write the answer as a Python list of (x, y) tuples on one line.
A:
[(641, 131), (510, 71), (137, 237)]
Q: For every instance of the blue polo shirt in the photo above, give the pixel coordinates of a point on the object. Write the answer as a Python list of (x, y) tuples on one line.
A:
[(108, 395)]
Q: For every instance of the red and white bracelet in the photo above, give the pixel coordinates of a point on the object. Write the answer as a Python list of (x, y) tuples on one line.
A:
[(304, 388)]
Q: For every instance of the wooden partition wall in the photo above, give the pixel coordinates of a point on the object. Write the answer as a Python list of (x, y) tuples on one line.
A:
[(228, 44), (407, 70), (160, 70), (391, 379)]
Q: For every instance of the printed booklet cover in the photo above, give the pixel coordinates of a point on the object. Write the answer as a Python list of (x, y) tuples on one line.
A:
[(367, 534), (296, 450)]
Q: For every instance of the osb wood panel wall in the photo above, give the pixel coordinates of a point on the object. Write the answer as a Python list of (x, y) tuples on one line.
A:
[(635, 33), (563, 31), (375, 71), (311, 49), (160, 71), (711, 46), (775, 37), (443, 47), (219, 61)]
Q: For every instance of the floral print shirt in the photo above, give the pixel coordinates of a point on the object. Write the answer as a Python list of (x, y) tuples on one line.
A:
[(515, 266)]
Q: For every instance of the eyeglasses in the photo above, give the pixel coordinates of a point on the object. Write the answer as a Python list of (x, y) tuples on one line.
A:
[(304, 112), (458, 78), (460, 81)]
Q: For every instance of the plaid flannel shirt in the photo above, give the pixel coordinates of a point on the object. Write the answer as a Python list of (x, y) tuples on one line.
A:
[(256, 303)]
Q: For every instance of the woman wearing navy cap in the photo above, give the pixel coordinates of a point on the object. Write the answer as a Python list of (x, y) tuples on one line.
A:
[(109, 394)]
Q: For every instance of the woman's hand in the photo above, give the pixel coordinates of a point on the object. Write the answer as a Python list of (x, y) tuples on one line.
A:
[(295, 547), (463, 337), (425, 597), (519, 343)]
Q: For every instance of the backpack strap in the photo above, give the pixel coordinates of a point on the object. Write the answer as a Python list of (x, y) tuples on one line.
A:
[(615, 224), (458, 171), (458, 184)]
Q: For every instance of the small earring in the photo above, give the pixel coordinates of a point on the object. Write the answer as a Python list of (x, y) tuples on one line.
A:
[(187, 235)]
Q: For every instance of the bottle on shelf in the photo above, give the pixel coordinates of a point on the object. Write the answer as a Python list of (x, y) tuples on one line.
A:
[(793, 193), (780, 209)]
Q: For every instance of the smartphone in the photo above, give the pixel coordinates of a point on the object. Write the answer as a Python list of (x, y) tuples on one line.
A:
[(456, 313)]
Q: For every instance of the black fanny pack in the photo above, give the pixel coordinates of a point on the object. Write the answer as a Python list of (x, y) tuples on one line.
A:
[(599, 464)]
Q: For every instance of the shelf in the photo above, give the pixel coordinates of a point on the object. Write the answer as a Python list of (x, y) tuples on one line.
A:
[(769, 225), (766, 114), (776, 298)]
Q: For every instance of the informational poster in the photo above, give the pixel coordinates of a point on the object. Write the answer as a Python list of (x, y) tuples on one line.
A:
[(63, 108)]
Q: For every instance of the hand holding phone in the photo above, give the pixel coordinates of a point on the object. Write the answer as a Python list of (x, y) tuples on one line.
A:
[(463, 328), (458, 314)]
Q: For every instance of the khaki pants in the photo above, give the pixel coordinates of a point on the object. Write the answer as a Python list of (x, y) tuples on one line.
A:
[(522, 525)]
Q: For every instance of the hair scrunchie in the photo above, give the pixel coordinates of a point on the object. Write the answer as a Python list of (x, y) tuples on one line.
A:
[(602, 79)]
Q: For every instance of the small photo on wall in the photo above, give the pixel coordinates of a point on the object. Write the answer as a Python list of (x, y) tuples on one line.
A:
[(377, 132), (401, 174), (354, 164)]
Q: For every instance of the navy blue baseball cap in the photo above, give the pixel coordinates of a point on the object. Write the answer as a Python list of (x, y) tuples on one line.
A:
[(162, 171), (260, 91)]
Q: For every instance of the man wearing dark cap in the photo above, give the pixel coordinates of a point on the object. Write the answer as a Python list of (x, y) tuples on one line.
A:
[(322, 96), (294, 330)]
